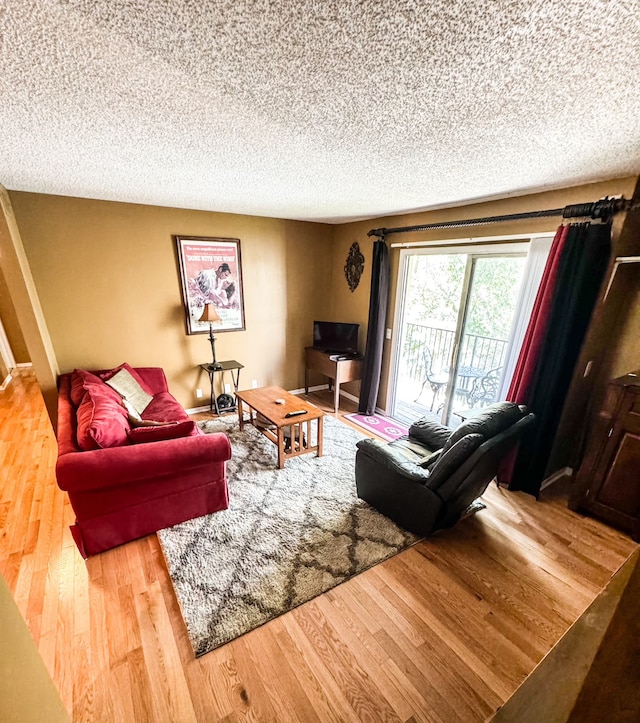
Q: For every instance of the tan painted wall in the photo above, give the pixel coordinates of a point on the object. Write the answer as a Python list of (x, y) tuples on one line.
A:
[(354, 306), (108, 280), (11, 325), (626, 356)]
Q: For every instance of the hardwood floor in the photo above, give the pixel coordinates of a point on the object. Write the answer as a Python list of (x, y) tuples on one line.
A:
[(445, 631)]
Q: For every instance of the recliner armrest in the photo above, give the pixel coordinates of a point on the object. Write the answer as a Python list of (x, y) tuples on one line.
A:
[(393, 459), (453, 459)]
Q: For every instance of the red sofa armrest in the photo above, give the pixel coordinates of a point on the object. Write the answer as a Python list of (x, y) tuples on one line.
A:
[(67, 426), (101, 468)]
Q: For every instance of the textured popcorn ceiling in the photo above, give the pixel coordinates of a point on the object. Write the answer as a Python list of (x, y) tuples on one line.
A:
[(316, 110)]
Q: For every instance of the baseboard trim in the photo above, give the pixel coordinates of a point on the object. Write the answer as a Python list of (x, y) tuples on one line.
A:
[(318, 388), (205, 408), (195, 410), (321, 387), (5, 383), (350, 397), (564, 472), (24, 365)]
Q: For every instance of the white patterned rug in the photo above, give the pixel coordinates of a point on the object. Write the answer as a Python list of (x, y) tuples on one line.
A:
[(288, 536)]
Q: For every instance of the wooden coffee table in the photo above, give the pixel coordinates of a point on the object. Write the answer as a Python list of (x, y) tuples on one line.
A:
[(263, 401)]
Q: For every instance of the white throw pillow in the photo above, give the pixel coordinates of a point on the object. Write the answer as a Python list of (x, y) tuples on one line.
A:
[(131, 392)]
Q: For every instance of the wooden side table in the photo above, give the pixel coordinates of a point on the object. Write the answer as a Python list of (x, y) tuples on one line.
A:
[(230, 366), (338, 367)]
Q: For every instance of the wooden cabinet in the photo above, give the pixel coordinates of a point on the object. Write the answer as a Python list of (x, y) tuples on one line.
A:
[(338, 367), (607, 485)]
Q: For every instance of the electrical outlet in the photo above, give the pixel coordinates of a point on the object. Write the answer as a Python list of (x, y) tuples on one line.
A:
[(388, 334), (199, 393), (254, 383), (227, 388)]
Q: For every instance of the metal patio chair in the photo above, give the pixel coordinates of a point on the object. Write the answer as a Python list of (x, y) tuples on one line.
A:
[(436, 380), (484, 389)]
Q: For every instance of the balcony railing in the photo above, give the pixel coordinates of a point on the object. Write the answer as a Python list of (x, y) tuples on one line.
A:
[(477, 352)]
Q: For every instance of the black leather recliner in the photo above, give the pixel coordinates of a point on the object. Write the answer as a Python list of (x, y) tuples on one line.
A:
[(425, 480)]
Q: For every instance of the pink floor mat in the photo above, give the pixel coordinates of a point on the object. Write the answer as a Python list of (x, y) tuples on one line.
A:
[(383, 427)]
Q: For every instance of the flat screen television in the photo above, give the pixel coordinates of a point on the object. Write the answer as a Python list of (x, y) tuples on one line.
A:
[(335, 337)]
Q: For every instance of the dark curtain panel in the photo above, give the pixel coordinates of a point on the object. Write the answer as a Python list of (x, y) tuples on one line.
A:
[(375, 330), (564, 312)]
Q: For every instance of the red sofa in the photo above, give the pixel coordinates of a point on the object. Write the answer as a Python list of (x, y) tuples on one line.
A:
[(121, 490)]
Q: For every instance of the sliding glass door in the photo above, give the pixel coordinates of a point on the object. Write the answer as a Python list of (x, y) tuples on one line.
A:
[(454, 322), (433, 288), (489, 309)]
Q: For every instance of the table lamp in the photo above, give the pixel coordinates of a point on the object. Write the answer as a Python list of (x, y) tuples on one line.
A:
[(210, 314)]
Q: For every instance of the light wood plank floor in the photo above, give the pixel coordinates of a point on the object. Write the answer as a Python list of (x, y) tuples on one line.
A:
[(444, 631)]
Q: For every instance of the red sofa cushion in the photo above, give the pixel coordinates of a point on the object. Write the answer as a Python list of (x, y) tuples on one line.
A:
[(112, 372), (102, 421), (139, 435), (83, 381), (164, 408)]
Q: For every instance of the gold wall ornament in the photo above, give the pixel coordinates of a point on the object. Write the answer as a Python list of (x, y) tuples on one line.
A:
[(354, 267)]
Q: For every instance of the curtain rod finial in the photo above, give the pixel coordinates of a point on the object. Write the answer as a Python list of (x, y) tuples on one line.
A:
[(603, 209)]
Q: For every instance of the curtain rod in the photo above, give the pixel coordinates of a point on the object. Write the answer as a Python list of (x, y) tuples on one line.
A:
[(603, 209)]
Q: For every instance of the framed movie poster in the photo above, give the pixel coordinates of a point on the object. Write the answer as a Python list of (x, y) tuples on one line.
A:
[(211, 272)]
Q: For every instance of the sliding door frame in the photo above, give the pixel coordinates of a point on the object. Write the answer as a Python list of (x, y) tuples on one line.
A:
[(472, 251)]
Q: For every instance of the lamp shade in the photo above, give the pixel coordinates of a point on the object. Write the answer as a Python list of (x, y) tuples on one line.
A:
[(209, 314)]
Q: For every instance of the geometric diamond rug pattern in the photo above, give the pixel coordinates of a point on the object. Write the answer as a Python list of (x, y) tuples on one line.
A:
[(289, 535)]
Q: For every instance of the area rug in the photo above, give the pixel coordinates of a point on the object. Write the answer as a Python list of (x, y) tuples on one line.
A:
[(288, 536), (384, 427)]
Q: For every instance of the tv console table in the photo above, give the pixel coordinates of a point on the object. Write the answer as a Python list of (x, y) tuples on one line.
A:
[(340, 368)]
